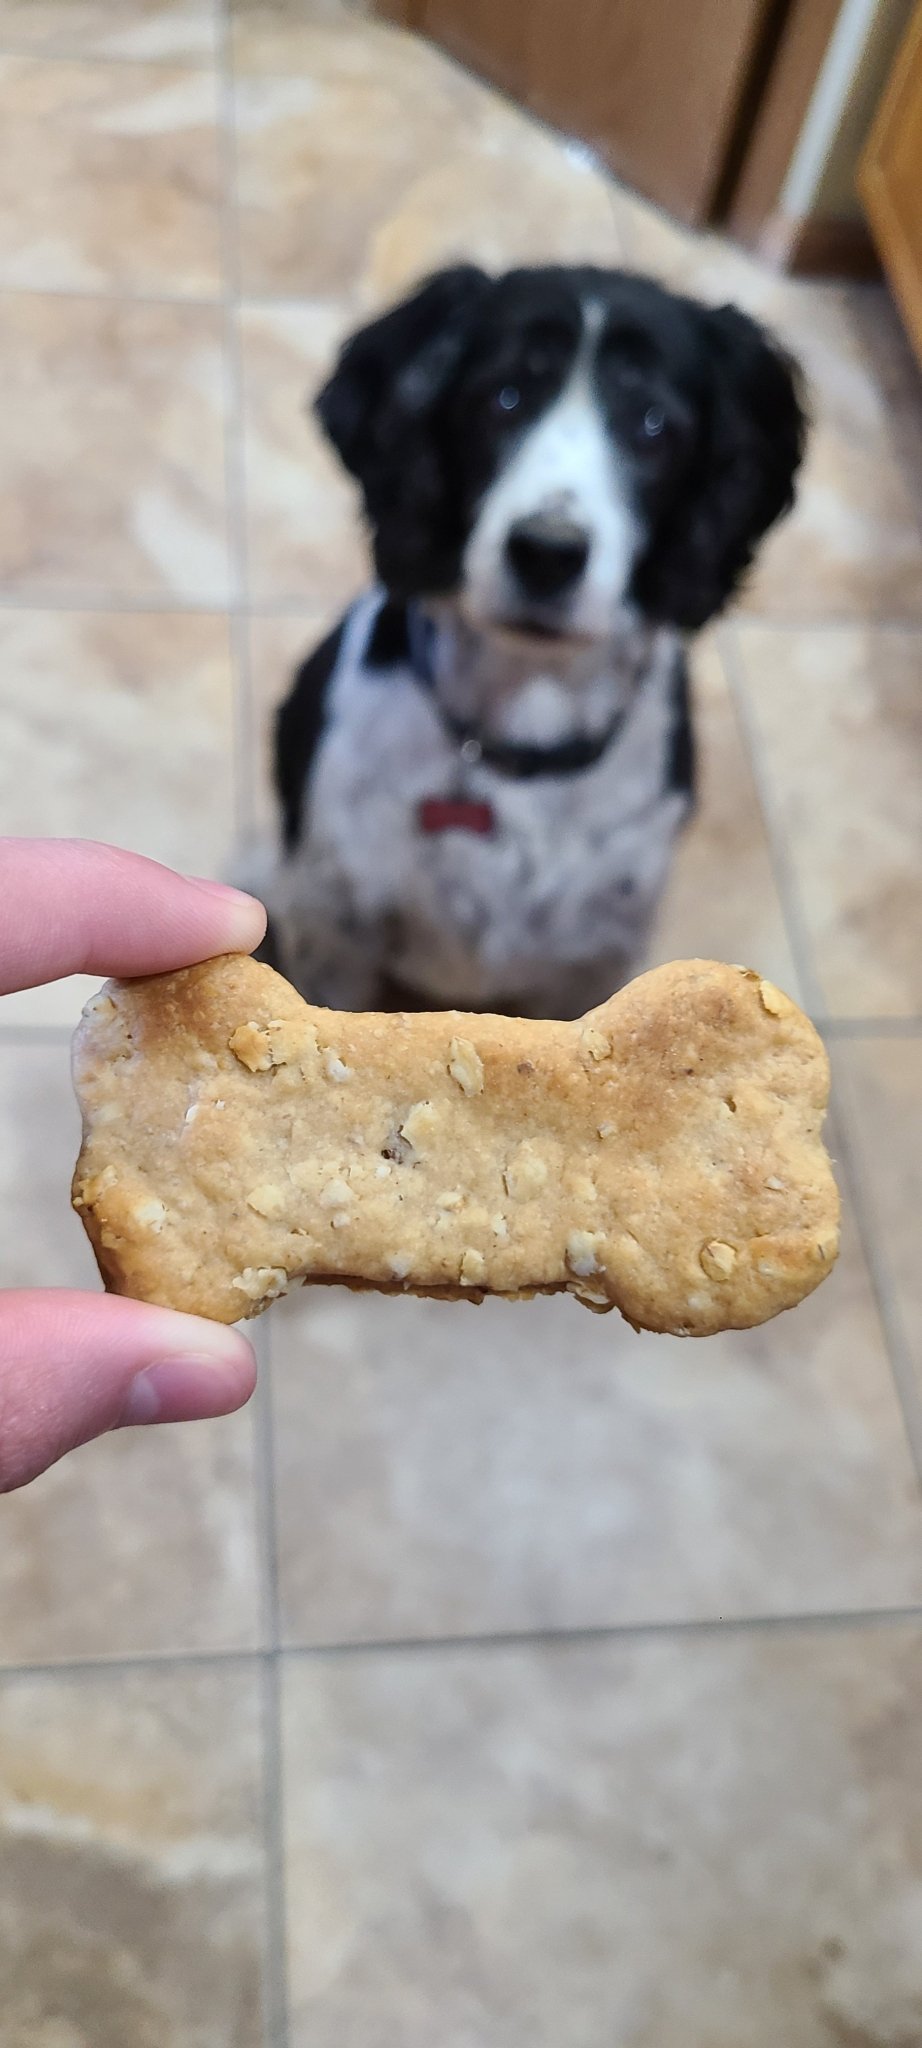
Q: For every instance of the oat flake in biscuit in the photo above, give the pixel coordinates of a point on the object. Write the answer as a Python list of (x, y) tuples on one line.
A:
[(663, 1156)]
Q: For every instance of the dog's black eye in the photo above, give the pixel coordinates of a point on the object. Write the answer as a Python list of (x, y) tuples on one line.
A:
[(538, 361), (650, 428), (507, 398)]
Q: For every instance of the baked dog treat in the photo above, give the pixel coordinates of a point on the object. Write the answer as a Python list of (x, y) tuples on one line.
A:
[(663, 1156)]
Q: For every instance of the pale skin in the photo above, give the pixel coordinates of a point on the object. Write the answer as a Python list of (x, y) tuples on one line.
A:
[(74, 1365)]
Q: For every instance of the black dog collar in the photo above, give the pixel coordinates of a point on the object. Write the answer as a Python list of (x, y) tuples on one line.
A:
[(522, 763)]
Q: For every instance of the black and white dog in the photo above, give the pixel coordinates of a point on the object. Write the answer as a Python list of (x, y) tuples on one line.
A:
[(483, 770)]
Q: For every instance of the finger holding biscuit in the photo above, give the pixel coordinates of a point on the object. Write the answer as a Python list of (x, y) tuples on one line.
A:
[(76, 906), (664, 1156), (74, 1365)]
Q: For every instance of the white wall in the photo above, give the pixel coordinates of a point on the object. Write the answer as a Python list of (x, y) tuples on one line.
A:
[(821, 174)]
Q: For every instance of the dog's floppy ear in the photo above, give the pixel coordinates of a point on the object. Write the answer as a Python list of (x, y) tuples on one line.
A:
[(379, 410), (742, 478), (390, 373)]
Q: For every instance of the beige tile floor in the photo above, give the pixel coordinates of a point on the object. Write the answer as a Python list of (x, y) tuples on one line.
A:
[(509, 1683)]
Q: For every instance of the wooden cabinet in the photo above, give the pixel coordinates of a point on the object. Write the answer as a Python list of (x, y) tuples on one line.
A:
[(890, 180), (656, 87)]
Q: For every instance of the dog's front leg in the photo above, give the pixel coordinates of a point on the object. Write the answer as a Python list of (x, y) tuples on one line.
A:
[(318, 939), (575, 988)]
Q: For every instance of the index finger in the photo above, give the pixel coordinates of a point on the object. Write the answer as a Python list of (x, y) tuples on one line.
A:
[(74, 906)]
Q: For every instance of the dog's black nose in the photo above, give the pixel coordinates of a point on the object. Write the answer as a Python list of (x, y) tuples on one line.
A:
[(547, 554)]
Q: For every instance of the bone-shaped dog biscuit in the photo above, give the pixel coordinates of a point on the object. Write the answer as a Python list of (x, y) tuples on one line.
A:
[(663, 1156)]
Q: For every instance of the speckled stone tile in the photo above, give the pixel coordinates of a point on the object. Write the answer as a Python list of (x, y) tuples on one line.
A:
[(896, 371), (852, 547), (277, 646), (837, 718), (116, 726), (368, 158), (444, 1470), (131, 1866), (513, 193), (276, 36), (155, 29), (327, 152), (711, 1843), (704, 1840), (881, 1084), (721, 901), (112, 449), (687, 260), (145, 1541), (304, 537), (109, 177)]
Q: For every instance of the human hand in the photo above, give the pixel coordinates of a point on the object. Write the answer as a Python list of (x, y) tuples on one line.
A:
[(75, 1365)]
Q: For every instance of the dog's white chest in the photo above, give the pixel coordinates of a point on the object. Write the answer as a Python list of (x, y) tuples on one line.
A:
[(567, 873)]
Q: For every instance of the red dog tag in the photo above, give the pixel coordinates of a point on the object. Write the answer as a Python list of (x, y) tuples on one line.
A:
[(454, 814)]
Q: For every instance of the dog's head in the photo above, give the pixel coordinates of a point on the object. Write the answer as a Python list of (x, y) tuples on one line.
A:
[(552, 444)]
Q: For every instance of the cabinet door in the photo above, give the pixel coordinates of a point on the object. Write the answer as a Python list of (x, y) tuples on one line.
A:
[(656, 86), (890, 180)]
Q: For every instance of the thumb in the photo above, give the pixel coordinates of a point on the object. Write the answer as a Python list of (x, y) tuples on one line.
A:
[(74, 1365)]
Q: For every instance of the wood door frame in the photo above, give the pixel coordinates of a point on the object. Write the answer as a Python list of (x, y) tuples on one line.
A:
[(752, 203), (901, 260)]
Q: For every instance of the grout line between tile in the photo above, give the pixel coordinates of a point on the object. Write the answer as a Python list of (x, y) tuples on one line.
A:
[(275, 2007), (901, 1363), (896, 380), (276, 1980), (112, 295), (276, 1983), (142, 1660), (265, 1491), (62, 53), (901, 1366), (245, 740), (142, 604), (234, 443), (619, 1632), (827, 622), (276, 2013), (152, 603), (210, 302), (785, 882), (713, 1626), (292, 604), (265, 1480)]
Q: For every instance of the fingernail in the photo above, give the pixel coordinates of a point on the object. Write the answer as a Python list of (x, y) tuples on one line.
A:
[(247, 914), (224, 889), (187, 1389)]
